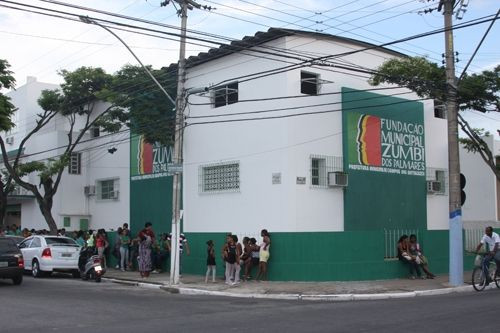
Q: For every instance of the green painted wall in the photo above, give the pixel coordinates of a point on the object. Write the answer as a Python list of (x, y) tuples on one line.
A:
[(150, 187), (386, 189), (327, 256)]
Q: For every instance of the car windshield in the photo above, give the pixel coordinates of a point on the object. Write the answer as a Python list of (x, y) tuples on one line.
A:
[(8, 246), (60, 241)]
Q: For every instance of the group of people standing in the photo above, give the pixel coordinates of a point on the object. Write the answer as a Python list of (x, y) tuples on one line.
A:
[(235, 256)]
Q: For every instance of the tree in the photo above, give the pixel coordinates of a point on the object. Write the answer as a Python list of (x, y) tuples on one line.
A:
[(76, 102), (142, 104), (479, 92), (7, 109)]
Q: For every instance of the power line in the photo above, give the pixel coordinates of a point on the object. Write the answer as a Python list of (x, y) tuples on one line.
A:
[(303, 113)]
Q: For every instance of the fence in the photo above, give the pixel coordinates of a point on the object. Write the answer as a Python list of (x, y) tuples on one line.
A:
[(391, 237), (472, 238)]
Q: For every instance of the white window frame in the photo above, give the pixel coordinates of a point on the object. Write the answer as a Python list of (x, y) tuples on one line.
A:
[(219, 177), (111, 193), (75, 163)]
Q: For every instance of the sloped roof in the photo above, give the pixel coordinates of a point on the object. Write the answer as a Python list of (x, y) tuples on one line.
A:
[(262, 37)]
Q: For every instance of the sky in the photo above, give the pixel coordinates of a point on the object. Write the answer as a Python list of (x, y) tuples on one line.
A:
[(40, 46)]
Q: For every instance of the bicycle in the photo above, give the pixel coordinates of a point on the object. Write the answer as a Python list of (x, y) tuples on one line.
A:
[(479, 281)]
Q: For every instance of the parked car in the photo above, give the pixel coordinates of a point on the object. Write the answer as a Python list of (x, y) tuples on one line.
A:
[(11, 261), (17, 239), (46, 254)]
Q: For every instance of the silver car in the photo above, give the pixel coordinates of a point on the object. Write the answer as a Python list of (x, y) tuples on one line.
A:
[(45, 254)]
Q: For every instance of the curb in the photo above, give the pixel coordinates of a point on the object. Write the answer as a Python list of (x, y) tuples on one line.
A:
[(293, 297)]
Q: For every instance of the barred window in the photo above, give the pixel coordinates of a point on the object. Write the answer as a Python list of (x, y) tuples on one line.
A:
[(225, 95), (223, 177), (320, 167), (75, 164), (107, 189)]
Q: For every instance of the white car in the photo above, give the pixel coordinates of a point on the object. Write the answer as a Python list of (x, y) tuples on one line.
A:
[(46, 254)]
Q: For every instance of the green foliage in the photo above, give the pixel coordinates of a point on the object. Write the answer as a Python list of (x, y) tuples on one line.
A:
[(473, 146), (7, 109), (79, 91), (46, 170), (142, 104), (477, 91), (425, 78)]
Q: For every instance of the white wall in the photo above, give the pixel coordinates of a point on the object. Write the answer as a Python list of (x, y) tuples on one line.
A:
[(97, 164), (481, 186), (279, 145)]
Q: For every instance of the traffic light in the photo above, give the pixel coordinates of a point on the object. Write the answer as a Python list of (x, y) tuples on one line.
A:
[(463, 181)]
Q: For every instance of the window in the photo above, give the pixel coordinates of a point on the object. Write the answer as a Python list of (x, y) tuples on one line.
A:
[(95, 132), (107, 189), (8, 245), (309, 83), (220, 178), (25, 243), (318, 171), (75, 164), (320, 166), (439, 110), (226, 95), (67, 221), (36, 243)]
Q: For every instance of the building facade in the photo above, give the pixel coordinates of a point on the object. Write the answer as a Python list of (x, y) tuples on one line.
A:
[(94, 189), (482, 204), (334, 168)]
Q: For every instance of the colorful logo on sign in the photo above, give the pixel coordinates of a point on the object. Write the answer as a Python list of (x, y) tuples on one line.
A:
[(385, 145), (368, 141), (145, 157), (148, 160)]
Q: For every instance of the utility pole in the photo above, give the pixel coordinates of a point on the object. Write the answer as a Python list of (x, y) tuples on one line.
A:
[(185, 5), (455, 223)]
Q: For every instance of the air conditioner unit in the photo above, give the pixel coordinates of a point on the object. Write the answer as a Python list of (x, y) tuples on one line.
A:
[(434, 186), (9, 140), (89, 190), (337, 179), (114, 195)]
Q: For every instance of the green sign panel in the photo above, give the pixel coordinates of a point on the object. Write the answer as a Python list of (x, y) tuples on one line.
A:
[(385, 145), (148, 161), (384, 155)]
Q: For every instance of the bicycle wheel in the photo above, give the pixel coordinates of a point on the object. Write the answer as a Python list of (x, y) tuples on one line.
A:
[(478, 279), (496, 278)]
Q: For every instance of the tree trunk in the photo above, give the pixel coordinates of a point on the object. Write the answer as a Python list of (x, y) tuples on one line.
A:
[(3, 210), (46, 209)]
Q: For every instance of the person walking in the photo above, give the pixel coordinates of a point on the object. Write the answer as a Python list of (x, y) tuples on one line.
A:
[(211, 267), (101, 245)]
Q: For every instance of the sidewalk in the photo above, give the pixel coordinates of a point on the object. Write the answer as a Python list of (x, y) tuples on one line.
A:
[(335, 290)]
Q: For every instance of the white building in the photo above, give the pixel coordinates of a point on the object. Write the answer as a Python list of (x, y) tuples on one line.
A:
[(482, 205), (94, 189), (278, 143)]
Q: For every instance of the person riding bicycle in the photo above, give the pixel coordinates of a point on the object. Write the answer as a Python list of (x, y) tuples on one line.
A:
[(492, 241)]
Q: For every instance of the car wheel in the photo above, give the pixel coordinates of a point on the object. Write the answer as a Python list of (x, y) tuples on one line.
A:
[(35, 269), (17, 280)]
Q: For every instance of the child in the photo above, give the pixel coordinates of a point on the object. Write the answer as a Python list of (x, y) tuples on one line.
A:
[(210, 261)]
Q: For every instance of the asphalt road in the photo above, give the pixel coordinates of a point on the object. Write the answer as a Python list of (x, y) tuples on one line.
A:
[(61, 304)]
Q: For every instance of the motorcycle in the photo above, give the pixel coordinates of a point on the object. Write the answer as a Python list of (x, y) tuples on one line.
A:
[(90, 265)]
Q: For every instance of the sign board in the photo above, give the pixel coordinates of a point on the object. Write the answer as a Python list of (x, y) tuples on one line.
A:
[(174, 168), (301, 180), (276, 178)]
